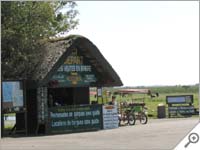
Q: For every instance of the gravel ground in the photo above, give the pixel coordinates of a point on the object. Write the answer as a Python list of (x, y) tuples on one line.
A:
[(158, 134)]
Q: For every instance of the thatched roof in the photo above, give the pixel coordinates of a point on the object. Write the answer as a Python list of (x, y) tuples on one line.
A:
[(57, 51)]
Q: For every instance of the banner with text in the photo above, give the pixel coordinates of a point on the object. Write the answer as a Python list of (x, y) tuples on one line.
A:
[(75, 118), (75, 71)]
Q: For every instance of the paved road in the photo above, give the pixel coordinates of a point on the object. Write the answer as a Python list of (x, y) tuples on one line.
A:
[(158, 134)]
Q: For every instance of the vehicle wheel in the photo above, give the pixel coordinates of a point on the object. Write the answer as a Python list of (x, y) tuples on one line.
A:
[(143, 119), (131, 120), (123, 121), (119, 118)]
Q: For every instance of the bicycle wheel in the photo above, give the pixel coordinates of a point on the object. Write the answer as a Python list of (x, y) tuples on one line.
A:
[(131, 119), (123, 120), (143, 118), (119, 119)]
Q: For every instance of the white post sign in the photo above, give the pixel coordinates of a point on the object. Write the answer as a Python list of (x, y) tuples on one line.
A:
[(110, 117), (99, 92)]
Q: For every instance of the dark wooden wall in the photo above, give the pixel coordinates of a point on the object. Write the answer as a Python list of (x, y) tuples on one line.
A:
[(71, 96), (81, 95), (31, 102)]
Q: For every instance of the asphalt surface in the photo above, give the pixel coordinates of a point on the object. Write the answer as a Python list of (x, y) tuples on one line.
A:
[(157, 134)]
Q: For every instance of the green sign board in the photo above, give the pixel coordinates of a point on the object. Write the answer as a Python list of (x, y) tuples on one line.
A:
[(185, 110), (74, 71), (74, 118)]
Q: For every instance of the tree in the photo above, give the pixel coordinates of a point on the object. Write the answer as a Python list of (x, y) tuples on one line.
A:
[(24, 25)]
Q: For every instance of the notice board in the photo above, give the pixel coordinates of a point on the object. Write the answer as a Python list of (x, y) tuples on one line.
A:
[(12, 96)]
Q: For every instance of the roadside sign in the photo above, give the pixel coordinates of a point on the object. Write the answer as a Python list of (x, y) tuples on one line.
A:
[(110, 117)]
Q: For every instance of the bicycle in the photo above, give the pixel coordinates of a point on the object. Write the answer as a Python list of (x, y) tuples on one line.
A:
[(126, 118), (139, 112)]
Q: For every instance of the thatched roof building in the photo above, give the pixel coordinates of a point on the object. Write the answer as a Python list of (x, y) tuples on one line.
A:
[(57, 50)]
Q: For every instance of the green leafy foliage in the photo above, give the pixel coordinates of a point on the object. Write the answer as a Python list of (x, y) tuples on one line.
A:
[(24, 24), (175, 89)]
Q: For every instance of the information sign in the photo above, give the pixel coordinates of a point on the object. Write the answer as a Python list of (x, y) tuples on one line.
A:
[(74, 118), (184, 110), (179, 99), (74, 71), (110, 117), (12, 93)]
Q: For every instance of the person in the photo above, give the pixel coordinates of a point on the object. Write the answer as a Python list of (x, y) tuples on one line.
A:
[(50, 101), (59, 102), (113, 101)]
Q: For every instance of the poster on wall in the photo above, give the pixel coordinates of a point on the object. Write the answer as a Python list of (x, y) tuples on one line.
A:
[(110, 117), (12, 93)]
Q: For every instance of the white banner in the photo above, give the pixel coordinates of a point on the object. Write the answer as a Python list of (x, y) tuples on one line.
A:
[(110, 117)]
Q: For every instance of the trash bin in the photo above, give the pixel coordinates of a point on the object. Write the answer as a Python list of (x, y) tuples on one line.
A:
[(161, 111)]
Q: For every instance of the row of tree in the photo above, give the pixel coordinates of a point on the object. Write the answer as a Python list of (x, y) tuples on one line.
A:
[(176, 89), (163, 89)]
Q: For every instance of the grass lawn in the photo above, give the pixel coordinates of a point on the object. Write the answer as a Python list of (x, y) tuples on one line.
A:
[(8, 124), (153, 103)]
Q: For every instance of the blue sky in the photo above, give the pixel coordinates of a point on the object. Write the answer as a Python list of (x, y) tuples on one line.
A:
[(147, 43)]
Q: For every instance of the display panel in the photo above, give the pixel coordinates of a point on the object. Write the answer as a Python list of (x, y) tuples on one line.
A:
[(12, 94)]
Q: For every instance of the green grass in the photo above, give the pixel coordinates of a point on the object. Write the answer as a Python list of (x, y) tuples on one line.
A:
[(8, 124), (152, 103), (10, 114)]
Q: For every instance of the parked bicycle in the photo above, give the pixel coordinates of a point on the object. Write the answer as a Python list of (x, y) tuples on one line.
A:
[(129, 111), (126, 118), (132, 112), (139, 111)]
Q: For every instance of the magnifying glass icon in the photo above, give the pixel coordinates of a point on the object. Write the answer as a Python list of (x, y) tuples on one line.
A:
[(193, 138)]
